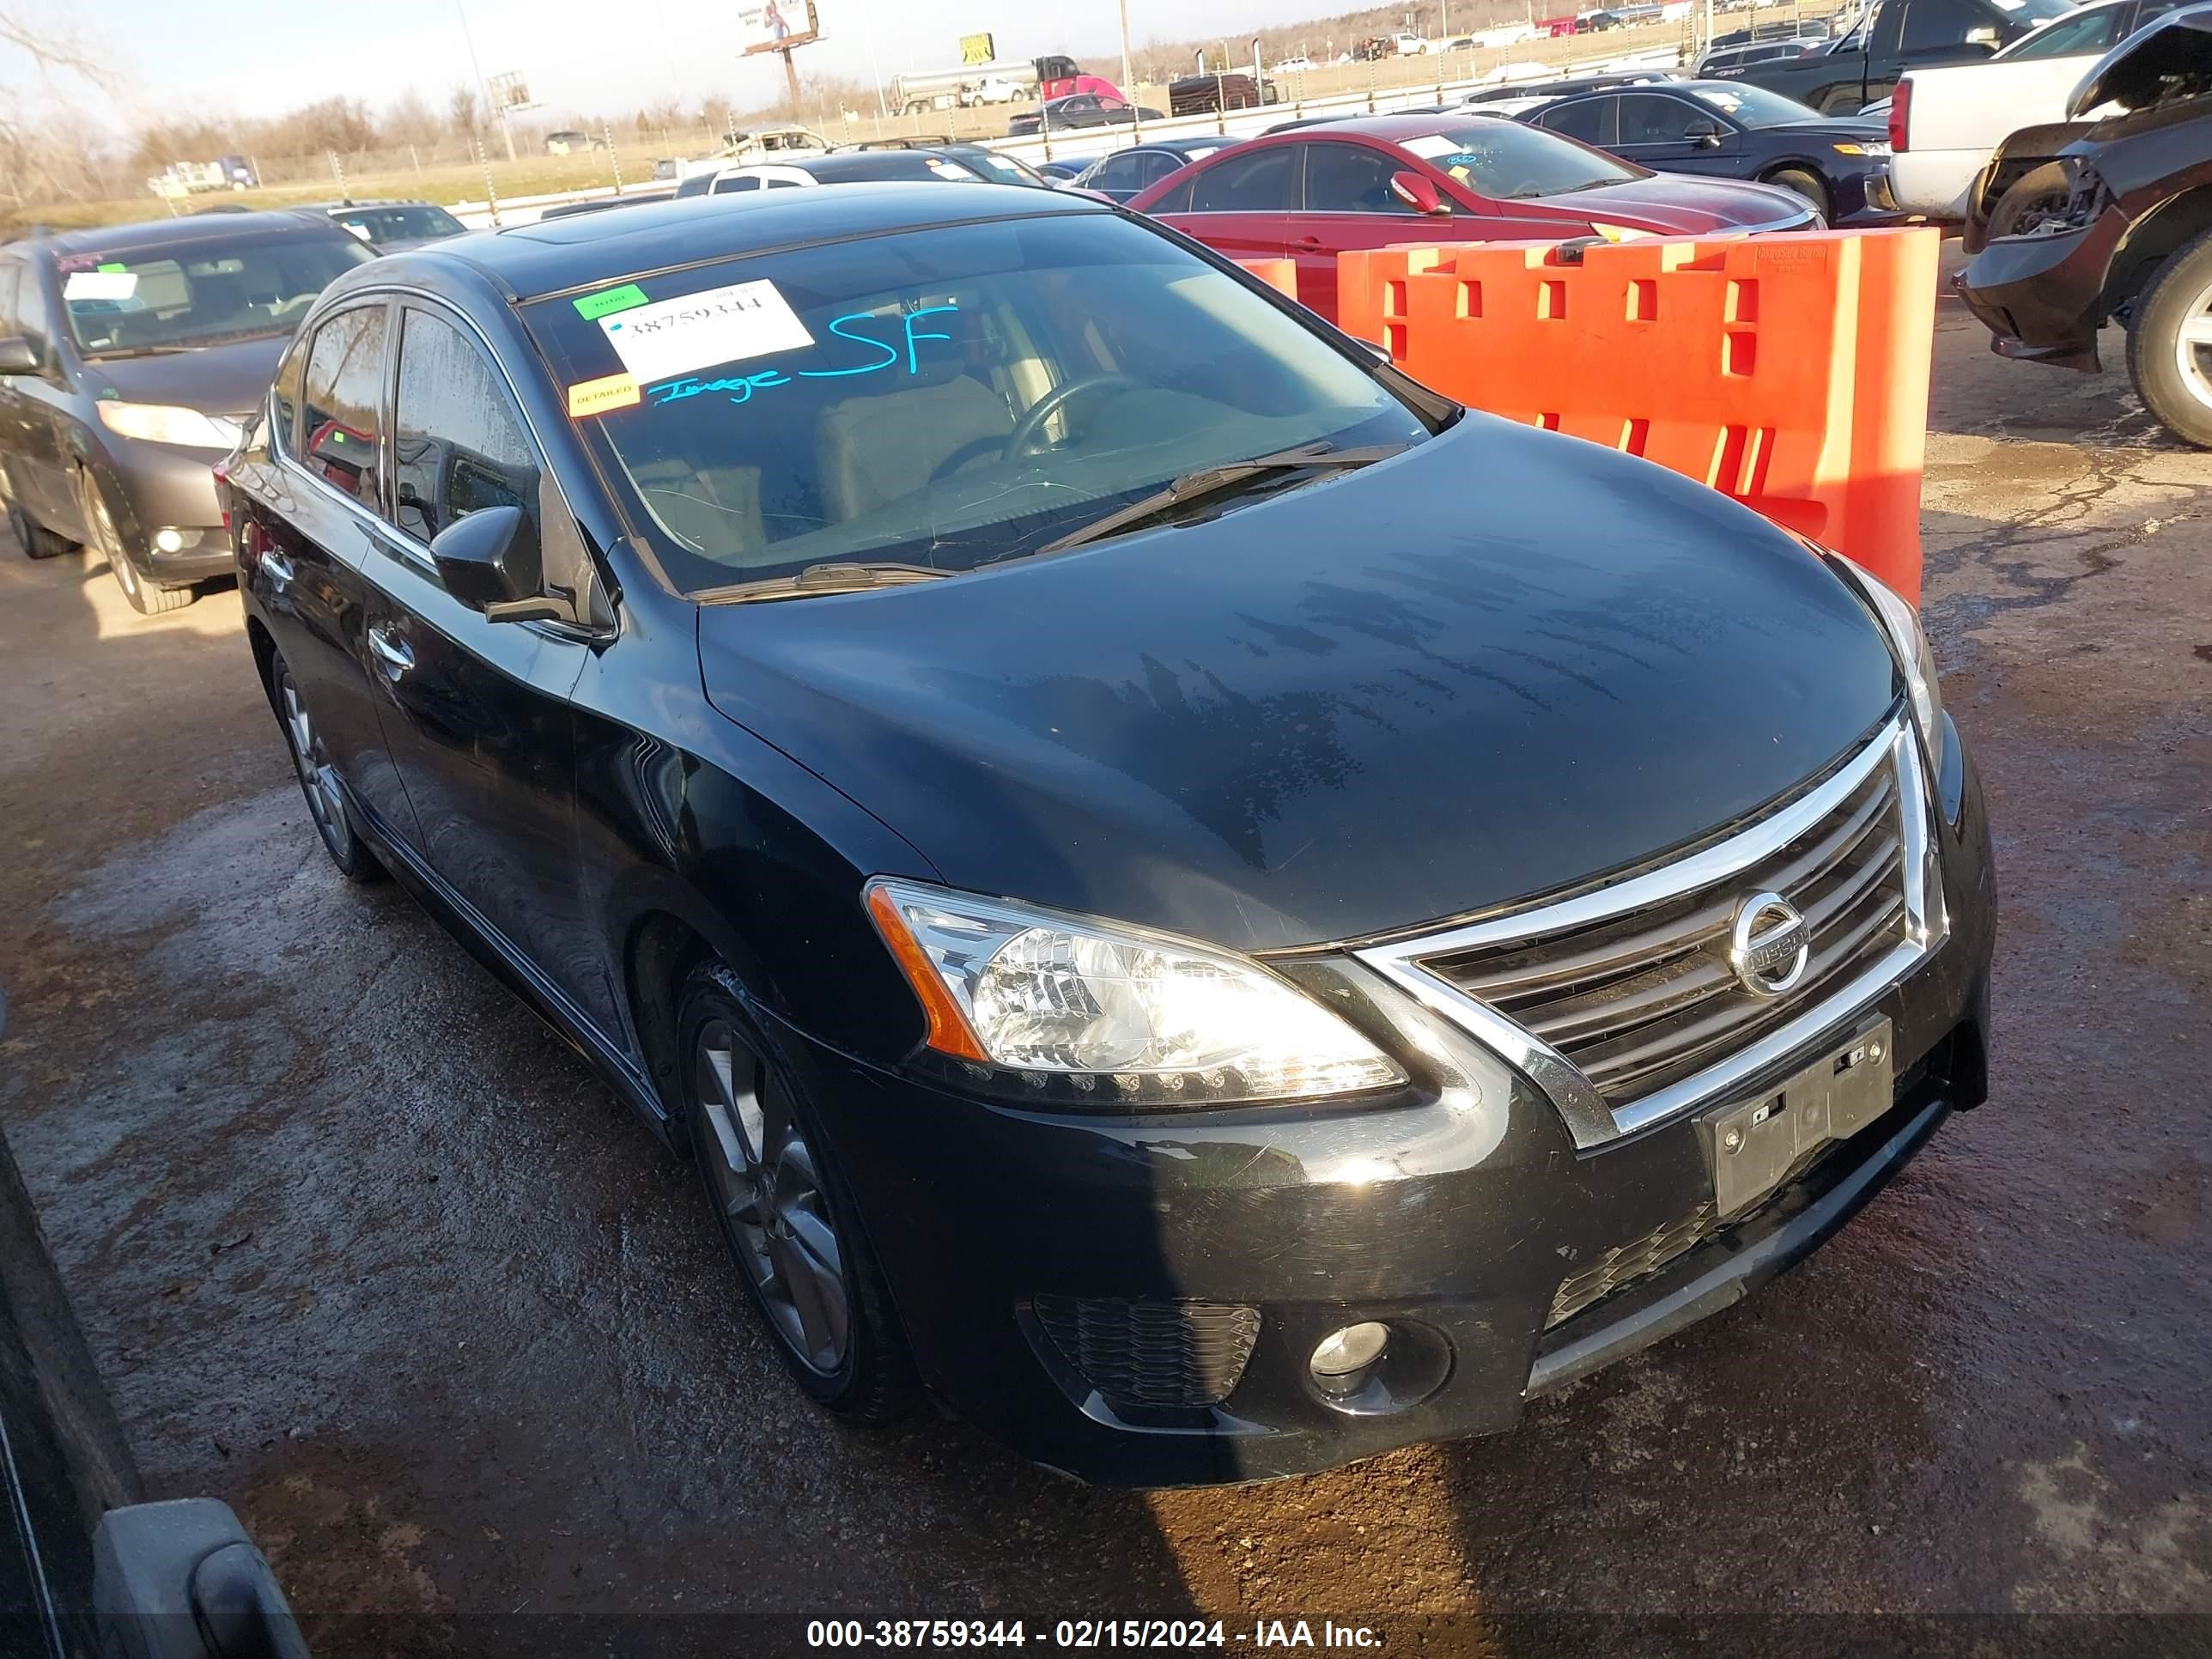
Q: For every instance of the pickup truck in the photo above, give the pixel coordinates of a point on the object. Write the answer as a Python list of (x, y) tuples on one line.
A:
[(1944, 123), (1844, 76)]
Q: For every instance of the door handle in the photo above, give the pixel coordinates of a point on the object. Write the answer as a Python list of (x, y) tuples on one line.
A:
[(396, 654), (279, 568), (1305, 241)]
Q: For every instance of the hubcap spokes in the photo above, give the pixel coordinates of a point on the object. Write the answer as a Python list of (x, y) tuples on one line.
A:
[(308, 755), (764, 1177), (2192, 350)]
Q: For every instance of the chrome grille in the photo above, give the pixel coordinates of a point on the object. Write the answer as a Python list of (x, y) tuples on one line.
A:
[(1618, 1001), (1645, 999), (1173, 1355), (1625, 1263)]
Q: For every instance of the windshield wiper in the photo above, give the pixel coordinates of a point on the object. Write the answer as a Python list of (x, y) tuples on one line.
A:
[(832, 578), (163, 350), (1214, 481)]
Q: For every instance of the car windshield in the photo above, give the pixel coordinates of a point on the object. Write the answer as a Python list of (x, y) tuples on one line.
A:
[(198, 293), (1504, 160), (1001, 169), (946, 397), (379, 225), (1755, 106)]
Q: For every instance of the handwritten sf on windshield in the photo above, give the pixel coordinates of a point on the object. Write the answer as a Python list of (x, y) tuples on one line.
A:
[(740, 388)]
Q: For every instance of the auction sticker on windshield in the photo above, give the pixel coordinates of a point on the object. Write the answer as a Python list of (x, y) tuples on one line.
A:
[(716, 326)]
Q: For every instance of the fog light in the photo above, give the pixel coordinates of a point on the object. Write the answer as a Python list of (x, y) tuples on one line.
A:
[(175, 541), (1344, 1359)]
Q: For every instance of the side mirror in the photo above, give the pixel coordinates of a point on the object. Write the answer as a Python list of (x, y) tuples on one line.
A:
[(16, 357), (491, 561), (1706, 136), (1984, 36), (1418, 193)]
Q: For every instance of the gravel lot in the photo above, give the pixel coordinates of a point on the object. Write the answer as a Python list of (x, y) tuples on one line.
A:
[(362, 1249)]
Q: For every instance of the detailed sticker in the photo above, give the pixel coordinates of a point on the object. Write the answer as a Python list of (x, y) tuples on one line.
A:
[(100, 285), (598, 397), (592, 306), (1431, 146), (717, 326)]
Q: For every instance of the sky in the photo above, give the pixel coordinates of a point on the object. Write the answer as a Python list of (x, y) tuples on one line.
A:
[(611, 56)]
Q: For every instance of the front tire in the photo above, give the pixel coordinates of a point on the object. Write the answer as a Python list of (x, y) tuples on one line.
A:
[(2169, 347), (146, 597), (318, 779), (786, 1215), (1801, 183)]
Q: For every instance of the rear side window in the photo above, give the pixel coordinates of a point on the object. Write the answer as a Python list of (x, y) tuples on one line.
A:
[(1586, 118), (342, 431), (458, 445), (1931, 23), (1259, 183), (1177, 200), (743, 181)]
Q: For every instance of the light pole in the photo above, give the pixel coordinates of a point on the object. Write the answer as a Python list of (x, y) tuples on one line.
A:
[(1128, 90), (484, 88)]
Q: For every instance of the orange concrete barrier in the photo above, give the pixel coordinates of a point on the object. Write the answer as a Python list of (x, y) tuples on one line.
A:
[(1790, 372), (1279, 274)]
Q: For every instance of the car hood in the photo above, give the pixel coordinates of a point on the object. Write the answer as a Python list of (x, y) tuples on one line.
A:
[(1492, 667), (1681, 203), (229, 379), (1845, 130)]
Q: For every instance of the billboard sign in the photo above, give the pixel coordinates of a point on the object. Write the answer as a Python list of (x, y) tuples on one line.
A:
[(977, 49), (778, 24)]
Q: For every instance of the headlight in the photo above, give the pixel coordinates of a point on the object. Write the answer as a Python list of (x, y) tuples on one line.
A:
[(1864, 147), (1619, 233), (1908, 643), (1088, 1014), (166, 423)]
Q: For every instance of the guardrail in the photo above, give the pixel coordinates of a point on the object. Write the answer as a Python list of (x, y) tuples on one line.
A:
[(1100, 141)]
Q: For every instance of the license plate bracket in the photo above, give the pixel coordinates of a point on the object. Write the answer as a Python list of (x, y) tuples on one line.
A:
[(1751, 1146)]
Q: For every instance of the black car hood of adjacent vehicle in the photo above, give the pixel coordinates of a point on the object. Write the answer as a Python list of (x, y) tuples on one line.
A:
[(226, 379), (1491, 667)]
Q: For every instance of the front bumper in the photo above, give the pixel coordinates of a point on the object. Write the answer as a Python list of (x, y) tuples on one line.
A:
[(1456, 1211), (153, 487), (2042, 298)]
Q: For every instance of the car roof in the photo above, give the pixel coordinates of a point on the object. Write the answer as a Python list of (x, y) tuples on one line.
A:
[(579, 251), (155, 234), (1392, 129)]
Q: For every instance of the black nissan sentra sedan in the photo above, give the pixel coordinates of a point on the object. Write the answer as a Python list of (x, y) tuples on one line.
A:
[(1208, 906)]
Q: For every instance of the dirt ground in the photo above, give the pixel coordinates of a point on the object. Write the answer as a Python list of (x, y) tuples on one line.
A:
[(362, 1249)]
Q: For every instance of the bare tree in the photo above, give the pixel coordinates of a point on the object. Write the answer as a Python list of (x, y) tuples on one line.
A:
[(463, 111)]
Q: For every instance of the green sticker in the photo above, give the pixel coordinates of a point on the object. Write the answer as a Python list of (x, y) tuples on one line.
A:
[(613, 299), (115, 267)]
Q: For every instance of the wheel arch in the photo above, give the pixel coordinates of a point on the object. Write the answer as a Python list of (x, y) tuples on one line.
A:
[(2152, 239)]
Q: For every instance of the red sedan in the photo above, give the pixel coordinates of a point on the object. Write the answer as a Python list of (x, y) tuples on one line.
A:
[(1310, 193)]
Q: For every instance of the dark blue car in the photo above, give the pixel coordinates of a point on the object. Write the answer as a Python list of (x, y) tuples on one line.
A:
[(1731, 131)]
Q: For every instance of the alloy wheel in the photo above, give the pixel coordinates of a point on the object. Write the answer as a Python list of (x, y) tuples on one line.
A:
[(765, 1183), (2192, 347), (318, 776)]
